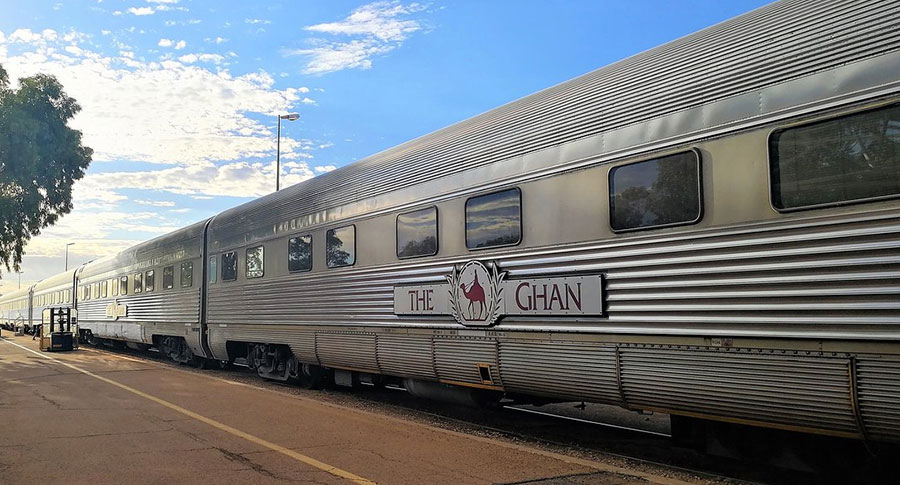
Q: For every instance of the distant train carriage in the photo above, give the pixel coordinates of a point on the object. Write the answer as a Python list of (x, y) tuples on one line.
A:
[(54, 292), (147, 294), (15, 309), (708, 229)]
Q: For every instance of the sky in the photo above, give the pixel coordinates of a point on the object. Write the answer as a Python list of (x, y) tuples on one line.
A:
[(180, 98)]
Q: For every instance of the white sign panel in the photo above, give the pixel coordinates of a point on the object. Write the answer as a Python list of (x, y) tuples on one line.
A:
[(477, 295)]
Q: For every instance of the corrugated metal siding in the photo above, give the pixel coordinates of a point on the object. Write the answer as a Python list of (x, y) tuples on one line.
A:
[(455, 359), (771, 45), (879, 396), (785, 389), (347, 349), (406, 356), (560, 369), (827, 277), (159, 313)]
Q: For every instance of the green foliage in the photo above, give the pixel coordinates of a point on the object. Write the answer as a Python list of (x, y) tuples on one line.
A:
[(40, 159)]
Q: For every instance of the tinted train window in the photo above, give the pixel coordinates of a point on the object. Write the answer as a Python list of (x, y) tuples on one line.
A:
[(123, 285), (212, 271), (255, 262), (115, 287), (494, 220), (848, 159), (187, 274), (229, 266), (168, 277), (417, 233), (659, 192), (300, 253), (103, 292), (148, 280), (96, 290), (340, 246), (138, 282)]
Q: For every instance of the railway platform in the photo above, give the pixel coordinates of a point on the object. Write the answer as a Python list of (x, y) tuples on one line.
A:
[(96, 417)]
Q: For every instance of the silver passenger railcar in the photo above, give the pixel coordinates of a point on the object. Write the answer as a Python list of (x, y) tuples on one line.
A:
[(15, 309), (55, 292), (149, 294), (708, 229)]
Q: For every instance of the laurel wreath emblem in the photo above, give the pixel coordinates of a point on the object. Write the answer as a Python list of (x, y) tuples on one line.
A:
[(494, 286)]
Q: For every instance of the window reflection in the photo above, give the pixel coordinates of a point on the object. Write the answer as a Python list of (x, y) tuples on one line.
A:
[(340, 247), (417, 233), (138, 283), (300, 253), (148, 280), (846, 159), (255, 262), (494, 219), (168, 277), (187, 274), (655, 192), (229, 266)]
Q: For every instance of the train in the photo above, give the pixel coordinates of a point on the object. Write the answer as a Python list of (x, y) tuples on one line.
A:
[(708, 229)]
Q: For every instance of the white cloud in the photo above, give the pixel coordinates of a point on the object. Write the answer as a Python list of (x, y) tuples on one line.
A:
[(239, 179), (324, 168), (180, 45), (380, 27), (165, 43), (156, 203), (257, 21), (141, 11), (172, 2), (308, 101), (378, 20)]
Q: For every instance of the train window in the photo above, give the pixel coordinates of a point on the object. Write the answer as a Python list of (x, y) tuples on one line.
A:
[(494, 220), (103, 289), (123, 285), (229, 266), (663, 191), (417, 233), (168, 277), (850, 159), (148, 280), (96, 291), (212, 271), (187, 274), (255, 262), (114, 289), (138, 282), (340, 247), (300, 253), (68, 296)]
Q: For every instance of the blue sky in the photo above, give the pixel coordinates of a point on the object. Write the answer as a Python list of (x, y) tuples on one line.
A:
[(179, 97)]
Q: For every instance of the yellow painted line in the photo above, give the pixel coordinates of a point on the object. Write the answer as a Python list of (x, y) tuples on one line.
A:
[(224, 427)]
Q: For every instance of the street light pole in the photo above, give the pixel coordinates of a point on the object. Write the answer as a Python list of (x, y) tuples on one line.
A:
[(67, 255), (289, 117)]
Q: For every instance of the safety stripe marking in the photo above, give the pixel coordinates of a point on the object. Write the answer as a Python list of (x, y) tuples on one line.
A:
[(224, 427)]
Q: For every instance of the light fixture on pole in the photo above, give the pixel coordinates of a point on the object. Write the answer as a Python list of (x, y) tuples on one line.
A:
[(67, 255), (289, 117)]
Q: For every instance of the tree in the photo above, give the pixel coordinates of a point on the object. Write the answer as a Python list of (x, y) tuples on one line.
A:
[(40, 159)]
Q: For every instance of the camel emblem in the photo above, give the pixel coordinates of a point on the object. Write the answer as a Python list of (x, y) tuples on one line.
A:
[(475, 294)]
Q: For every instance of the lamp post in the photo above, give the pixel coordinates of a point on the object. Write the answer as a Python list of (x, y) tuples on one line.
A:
[(67, 255), (289, 117)]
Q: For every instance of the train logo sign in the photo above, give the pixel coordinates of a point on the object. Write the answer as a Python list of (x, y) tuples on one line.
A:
[(478, 295), (475, 294), (115, 310)]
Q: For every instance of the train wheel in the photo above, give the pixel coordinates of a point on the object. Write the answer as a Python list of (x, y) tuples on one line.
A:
[(313, 376)]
